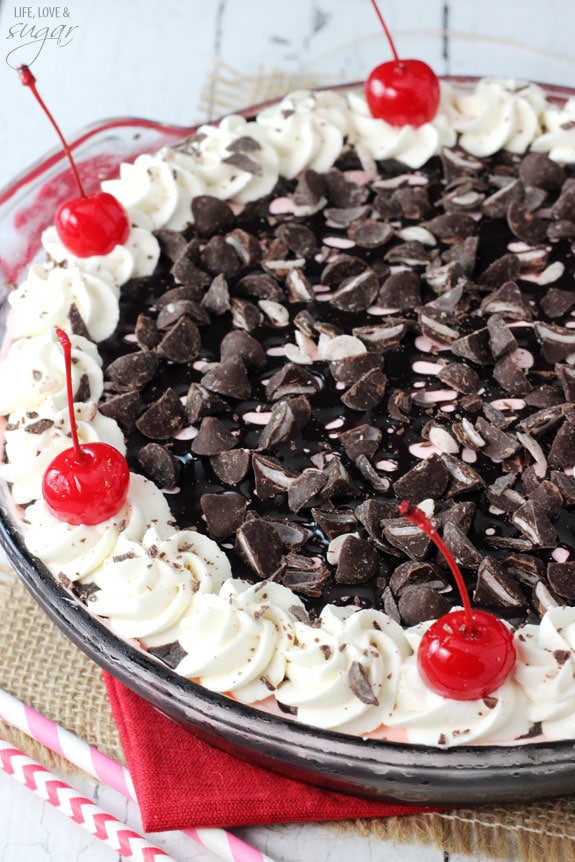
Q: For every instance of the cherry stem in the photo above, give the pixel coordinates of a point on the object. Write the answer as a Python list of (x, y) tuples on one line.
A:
[(67, 348), (28, 79), (386, 31), (417, 517)]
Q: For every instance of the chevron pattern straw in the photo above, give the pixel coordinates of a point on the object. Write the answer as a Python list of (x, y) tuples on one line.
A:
[(78, 808)]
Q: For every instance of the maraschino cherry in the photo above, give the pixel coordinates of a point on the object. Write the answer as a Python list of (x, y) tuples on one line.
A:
[(84, 484), (465, 654), (402, 92), (91, 224)]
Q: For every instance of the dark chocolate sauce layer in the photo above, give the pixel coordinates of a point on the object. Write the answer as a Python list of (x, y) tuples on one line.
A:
[(474, 255)]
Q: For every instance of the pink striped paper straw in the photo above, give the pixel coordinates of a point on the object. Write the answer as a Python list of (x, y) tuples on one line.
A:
[(78, 808), (69, 746)]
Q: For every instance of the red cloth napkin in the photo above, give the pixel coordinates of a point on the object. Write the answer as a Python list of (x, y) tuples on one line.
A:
[(182, 782)]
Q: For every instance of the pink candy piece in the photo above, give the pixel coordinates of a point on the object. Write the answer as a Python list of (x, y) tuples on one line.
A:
[(560, 555)]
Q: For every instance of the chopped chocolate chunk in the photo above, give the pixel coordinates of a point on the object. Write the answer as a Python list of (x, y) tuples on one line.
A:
[(452, 227), (460, 377), (428, 479), (532, 521), (497, 204), (360, 684), (282, 427), (304, 491), (270, 477), (511, 377), (406, 537), (379, 338), (334, 522), (164, 418), (548, 496), (524, 568), (342, 192), (401, 290), (292, 534), (147, 334), (561, 578), (462, 477), (501, 338), (338, 481), (123, 408), (421, 604), (242, 345), (298, 286), (474, 346), (562, 452), (564, 206), (558, 341), (345, 216), (310, 190), (414, 202), (223, 513), (260, 286), (495, 588), (362, 440), (213, 438), (508, 302), (416, 573), (566, 485), (216, 300), (537, 169), (357, 292), (341, 268), (189, 274), (298, 238), (502, 494), (228, 378), (260, 546), (77, 323), (464, 551), (543, 599), (172, 242), (499, 445), (231, 467), (211, 215), (133, 370), (304, 575), (366, 392), (201, 402), (502, 270), (369, 233), (171, 312), (526, 225), (159, 465), (219, 257), (292, 379), (245, 315), (182, 343), (566, 376), (358, 561), (557, 302), (377, 481)]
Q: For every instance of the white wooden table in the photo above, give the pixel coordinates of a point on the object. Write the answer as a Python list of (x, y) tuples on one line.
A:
[(154, 58)]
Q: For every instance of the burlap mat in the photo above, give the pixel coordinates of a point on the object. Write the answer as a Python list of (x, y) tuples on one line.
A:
[(40, 667)]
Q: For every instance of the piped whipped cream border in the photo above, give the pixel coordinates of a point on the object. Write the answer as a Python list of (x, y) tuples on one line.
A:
[(351, 670)]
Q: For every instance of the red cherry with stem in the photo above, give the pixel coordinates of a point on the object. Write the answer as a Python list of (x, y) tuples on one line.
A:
[(84, 484), (465, 654), (402, 92), (91, 224)]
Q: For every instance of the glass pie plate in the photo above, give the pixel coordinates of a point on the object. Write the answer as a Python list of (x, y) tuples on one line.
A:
[(391, 771)]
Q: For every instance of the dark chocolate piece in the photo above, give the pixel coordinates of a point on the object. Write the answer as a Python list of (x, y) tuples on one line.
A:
[(133, 370), (260, 546), (358, 561), (213, 438), (231, 466), (159, 465), (164, 418), (223, 513)]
